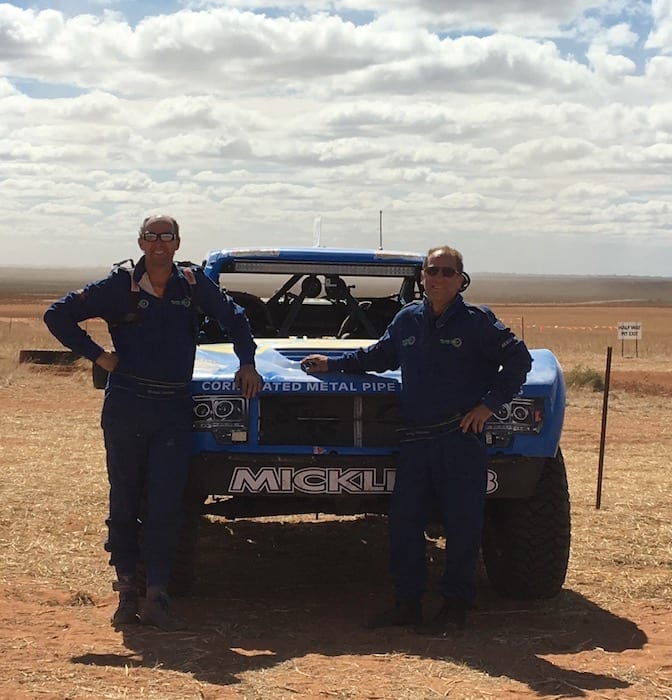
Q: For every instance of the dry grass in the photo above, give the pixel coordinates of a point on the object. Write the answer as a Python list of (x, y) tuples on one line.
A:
[(53, 490), (582, 333), (636, 485), (278, 603), (26, 331), (53, 482), (623, 551), (576, 334)]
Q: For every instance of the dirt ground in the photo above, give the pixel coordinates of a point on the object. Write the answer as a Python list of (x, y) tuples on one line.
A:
[(278, 604)]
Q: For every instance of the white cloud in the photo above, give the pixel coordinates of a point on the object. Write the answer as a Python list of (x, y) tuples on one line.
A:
[(246, 124), (619, 35), (609, 67), (520, 16), (660, 37)]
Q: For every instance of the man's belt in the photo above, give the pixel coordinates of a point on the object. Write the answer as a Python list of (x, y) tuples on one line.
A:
[(426, 432), (148, 388)]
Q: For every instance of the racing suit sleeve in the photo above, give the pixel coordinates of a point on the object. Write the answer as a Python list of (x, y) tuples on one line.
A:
[(380, 356), (63, 317), (501, 344), (229, 315)]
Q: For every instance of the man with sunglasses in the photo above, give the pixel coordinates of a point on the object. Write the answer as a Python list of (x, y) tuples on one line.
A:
[(152, 314), (459, 364)]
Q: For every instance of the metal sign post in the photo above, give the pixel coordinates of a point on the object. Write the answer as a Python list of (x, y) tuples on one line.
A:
[(630, 330), (603, 434)]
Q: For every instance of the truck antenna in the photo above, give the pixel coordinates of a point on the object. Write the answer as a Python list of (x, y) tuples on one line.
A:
[(317, 232), (380, 226)]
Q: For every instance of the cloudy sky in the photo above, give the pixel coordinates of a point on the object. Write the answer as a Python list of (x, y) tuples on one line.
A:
[(533, 135)]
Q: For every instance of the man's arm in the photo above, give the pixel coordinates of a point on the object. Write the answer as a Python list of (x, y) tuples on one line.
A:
[(380, 356), (63, 317), (503, 347), (229, 315), (513, 357)]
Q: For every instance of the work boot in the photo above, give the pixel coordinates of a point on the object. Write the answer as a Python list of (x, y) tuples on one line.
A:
[(406, 611), (451, 617), (127, 610), (156, 611)]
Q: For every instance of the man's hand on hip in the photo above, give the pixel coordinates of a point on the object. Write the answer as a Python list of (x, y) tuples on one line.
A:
[(475, 419)]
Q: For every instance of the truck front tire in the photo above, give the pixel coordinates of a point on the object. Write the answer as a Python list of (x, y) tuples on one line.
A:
[(526, 541)]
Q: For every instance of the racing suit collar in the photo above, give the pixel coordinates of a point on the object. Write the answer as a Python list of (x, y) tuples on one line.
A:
[(140, 269), (453, 308), (141, 278)]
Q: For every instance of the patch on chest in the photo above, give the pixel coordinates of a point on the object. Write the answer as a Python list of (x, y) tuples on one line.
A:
[(455, 342), (186, 302)]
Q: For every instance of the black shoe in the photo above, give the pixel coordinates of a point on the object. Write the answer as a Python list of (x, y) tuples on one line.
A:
[(405, 612), (156, 611), (451, 617), (127, 610)]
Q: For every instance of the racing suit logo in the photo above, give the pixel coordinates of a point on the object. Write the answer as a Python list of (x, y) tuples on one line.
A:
[(455, 342)]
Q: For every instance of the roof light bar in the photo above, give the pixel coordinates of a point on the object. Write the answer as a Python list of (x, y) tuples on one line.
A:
[(289, 268)]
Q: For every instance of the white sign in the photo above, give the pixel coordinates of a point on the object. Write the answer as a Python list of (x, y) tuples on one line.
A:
[(629, 330)]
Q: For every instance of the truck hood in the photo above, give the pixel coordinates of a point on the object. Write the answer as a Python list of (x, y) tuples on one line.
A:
[(278, 362)]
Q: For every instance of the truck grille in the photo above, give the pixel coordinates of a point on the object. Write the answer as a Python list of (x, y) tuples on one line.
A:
[(339, 421)]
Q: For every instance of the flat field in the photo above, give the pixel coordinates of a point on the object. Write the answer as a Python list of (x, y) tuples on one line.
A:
[(278, 603)]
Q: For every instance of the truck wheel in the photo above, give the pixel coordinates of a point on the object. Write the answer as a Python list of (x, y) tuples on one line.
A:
[(526, 541)]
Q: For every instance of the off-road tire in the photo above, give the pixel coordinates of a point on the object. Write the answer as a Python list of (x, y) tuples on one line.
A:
[(526, 541)]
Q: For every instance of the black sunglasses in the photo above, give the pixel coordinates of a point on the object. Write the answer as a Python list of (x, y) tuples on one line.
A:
[(433, 271), (152, 237)]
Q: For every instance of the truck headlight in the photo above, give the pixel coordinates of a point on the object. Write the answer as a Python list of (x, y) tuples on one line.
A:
[(226, 417), (520, 417)]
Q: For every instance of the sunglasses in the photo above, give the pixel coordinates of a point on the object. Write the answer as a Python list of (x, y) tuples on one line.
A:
[(434, 270), (152, 237)]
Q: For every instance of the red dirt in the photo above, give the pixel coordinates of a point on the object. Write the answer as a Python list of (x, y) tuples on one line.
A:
[(277, 606)]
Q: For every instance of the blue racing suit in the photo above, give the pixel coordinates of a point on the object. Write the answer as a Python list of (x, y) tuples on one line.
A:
[(146, 416), (449, 365)]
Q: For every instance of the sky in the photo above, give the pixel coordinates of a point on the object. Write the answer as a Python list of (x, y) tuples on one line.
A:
[(535, 136)]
